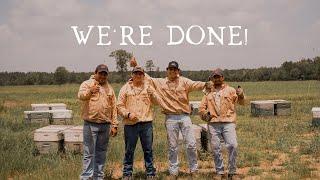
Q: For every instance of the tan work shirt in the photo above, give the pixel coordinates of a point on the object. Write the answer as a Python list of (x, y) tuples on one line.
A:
[(98, 107), (221, 104), (136, 100), (175, 94)]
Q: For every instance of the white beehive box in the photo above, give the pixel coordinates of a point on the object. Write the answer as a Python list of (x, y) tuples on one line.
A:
[(57, 106), (50, 133), (37, 117), (50, 138), (316, 112), (74, 134), (73, 139), (194, 105), (262, 108), (61, 116), (40, 107)]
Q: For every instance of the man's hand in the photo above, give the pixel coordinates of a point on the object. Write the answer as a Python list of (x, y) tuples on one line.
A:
[(239, 92), (133, 62), (95, 88), (113, 131), (207, 87), (206, 117), (150, 90), (133, 117)]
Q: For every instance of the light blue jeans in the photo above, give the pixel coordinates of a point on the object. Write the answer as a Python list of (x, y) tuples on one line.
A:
[(227, 131), (174, 124), (95, 141)]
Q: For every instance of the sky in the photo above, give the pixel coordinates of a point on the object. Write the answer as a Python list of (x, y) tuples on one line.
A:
[(36, 35)]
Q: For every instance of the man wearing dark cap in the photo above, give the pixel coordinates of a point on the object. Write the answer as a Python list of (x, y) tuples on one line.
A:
[(217, 108), (99, 113), (174, 91), (135, 105)]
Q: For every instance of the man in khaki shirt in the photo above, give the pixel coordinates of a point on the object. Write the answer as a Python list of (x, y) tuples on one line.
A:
[(174, 91), (99, 113), (218, 109), (135, 105)]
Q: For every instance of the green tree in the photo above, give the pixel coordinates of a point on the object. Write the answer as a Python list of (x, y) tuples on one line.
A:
[(61, 75), (122, 57)]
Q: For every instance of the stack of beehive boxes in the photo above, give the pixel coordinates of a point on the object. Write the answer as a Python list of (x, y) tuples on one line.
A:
[(55, 138), (56, 113), (316, 116), (271, 108)]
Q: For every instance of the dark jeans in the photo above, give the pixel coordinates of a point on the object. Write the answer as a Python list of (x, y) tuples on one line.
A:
[(131, 135)]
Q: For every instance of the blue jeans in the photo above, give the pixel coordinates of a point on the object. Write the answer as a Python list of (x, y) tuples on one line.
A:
[(95, 141), (174, 124), (144, 131), (227, 131)]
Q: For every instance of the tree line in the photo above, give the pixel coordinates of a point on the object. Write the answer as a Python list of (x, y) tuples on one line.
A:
[(304, 69)]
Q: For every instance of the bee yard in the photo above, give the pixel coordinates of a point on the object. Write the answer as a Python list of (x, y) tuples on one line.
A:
[(262, 108), (73, 139), (194, 105), (40, 107), (49, 139), (61, 116), (57, 106), (316, 116), (282, 107), (42, 117)]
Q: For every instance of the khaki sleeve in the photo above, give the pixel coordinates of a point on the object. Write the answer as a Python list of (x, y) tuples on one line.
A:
[(203, 106), (114, 119), (194, 85), (84, 93), (122, 111)]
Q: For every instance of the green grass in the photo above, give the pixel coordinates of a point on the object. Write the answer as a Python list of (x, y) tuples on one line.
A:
[(286, 145)]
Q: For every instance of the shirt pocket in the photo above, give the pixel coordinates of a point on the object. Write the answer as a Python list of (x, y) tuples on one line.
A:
[(182, 94)]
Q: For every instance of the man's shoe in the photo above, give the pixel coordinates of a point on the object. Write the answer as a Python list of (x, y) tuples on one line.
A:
[(127, 178), (151, 177)]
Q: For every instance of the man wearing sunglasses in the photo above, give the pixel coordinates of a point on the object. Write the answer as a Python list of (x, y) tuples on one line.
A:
[(99, 113), (174, 91)]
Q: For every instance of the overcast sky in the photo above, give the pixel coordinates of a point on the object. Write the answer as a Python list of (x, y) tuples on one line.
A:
[(35, 35)]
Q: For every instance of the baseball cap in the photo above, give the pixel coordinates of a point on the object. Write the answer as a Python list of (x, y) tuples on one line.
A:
[(138, 69), (102, 68), (173, 64)]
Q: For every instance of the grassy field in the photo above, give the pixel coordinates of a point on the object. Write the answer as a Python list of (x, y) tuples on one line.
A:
[(269, 147)]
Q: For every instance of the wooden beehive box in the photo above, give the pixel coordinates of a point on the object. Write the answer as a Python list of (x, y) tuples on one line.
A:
[(49, 139), (282, 107), (316, 116), (61, 116), (73, 139), (262, 108), (57, 106), (40, 107), (42, 117), (194, 105)]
